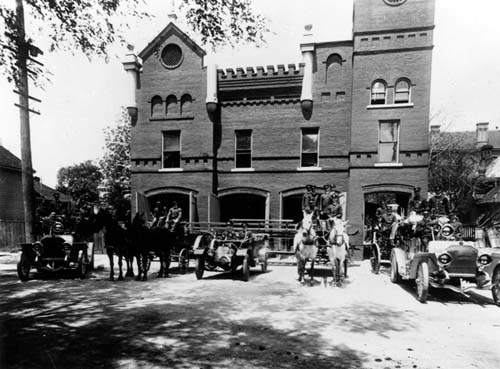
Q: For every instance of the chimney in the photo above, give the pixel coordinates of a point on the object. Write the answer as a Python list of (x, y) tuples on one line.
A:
[(435, 129), (481, 134)]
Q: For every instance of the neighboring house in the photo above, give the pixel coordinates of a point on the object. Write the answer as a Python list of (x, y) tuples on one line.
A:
[(244, 143), (11, 199)]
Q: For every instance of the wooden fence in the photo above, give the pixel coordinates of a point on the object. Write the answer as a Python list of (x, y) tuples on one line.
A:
[(11, 234)]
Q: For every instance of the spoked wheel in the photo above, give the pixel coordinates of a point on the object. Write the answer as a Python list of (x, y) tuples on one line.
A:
[(199, 267), (245, 269), (183, 261), (395, 277), (375, 259), (263, 264), (422, 281), (23, 268), (495, 286), (82, 267)]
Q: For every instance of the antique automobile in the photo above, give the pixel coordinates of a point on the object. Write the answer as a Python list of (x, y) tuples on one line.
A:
[(488, 265), (437, 256), (218, 254), (56, 252)]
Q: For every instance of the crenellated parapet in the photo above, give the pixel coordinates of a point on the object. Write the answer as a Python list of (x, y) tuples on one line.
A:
[(265, 84)]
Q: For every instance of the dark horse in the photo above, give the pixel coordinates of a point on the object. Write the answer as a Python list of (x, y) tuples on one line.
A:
[(149, 242), (117, 242)]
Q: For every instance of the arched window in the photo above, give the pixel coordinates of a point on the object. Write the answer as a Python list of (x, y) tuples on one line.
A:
[(402, 92), (333, 67), (378, 93), (186, 101), (156, 106), (172, 105)]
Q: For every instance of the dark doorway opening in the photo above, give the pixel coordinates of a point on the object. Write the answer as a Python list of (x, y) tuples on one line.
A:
[(242, 206), (292, 207)]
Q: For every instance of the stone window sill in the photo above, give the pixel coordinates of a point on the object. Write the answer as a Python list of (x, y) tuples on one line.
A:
[(388, 165), (243, 170), (309, 169), (170, 170), (390, 106)]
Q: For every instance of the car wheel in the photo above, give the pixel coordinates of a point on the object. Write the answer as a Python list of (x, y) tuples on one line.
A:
[(263, 264), (91, 263), (245, 269), (495, 286), (183, 261), (395, 277), (199, 267), (82, 267), (375, 259), (422, 281), (23, 268)]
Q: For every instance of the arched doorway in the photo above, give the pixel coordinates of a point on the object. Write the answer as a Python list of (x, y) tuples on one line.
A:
[(163, 198), (243, 203)]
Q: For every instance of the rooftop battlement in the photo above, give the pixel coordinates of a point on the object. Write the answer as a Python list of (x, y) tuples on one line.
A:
[(261, 72)]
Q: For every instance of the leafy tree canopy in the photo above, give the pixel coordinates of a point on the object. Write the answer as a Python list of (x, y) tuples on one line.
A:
[(115, 166), (92, 26), (81, 182)]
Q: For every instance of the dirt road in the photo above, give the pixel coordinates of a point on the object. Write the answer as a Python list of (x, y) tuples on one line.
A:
[(271, 321)]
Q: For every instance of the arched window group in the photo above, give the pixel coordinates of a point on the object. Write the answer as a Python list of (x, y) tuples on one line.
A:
[(172, 106), (379, 95)]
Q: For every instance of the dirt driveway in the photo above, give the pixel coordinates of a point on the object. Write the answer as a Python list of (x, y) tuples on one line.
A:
[(271, 321)]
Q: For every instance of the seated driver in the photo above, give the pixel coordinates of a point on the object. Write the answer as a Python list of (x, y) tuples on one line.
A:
[(389, 223), (173, 217)]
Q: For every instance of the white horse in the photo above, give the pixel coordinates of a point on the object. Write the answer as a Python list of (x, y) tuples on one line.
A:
[(338, 240), (304, 244)]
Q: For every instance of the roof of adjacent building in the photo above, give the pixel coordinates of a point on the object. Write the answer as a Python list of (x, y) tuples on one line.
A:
[(48, 193), (8, 160)]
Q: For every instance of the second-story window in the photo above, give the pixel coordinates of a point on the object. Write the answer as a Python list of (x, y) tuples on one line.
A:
[(378, 93), (243, 155), (172, 149), (402, 92), (309, 147), (388, 147)]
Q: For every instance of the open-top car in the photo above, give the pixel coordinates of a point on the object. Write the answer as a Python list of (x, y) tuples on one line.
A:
[(56, 252), (219, 254), (488, 264), (444, 261)]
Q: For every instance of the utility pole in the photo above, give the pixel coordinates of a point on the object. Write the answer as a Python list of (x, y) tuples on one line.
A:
[(24, 110)]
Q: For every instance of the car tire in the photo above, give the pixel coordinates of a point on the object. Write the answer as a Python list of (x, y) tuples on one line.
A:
[(422, 281), (263, 264), (395, 277), (82, 267), (199, 267), (23, 268), (495, 286), (375, 259), (245, 269)]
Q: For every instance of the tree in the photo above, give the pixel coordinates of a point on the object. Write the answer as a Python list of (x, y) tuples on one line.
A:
[(81, 182), (92, 26), (115, 166)]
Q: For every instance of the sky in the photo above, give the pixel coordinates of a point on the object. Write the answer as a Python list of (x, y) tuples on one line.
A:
[(83, 97)]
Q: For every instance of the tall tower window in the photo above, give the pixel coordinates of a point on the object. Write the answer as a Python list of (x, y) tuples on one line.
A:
[(378, 93), (186, 101), (309, 147), (388, 146), (243, 149), (402, 92), (172, 149), (172, 105)]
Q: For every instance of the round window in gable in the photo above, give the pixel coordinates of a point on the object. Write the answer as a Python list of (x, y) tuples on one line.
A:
[(171, 56)]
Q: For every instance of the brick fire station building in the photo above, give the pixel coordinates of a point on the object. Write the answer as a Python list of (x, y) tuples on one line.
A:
[(244, 143)]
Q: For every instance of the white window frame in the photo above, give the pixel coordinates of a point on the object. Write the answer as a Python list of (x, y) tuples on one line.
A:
[(174, 169), (409, 91), (385, 95), (388, 163), (317, 167)]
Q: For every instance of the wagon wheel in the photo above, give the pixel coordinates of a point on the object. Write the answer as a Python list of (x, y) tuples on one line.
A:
[(422, 281), (495, 286), (245, 269), (184, 261), (395, 277), (263, 264), (199, 267), (82, 266), (23, 268), (375, 259)]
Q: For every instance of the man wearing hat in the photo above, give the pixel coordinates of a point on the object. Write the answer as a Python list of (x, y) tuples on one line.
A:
[(325, 200), (439, 203), (310, 199)]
